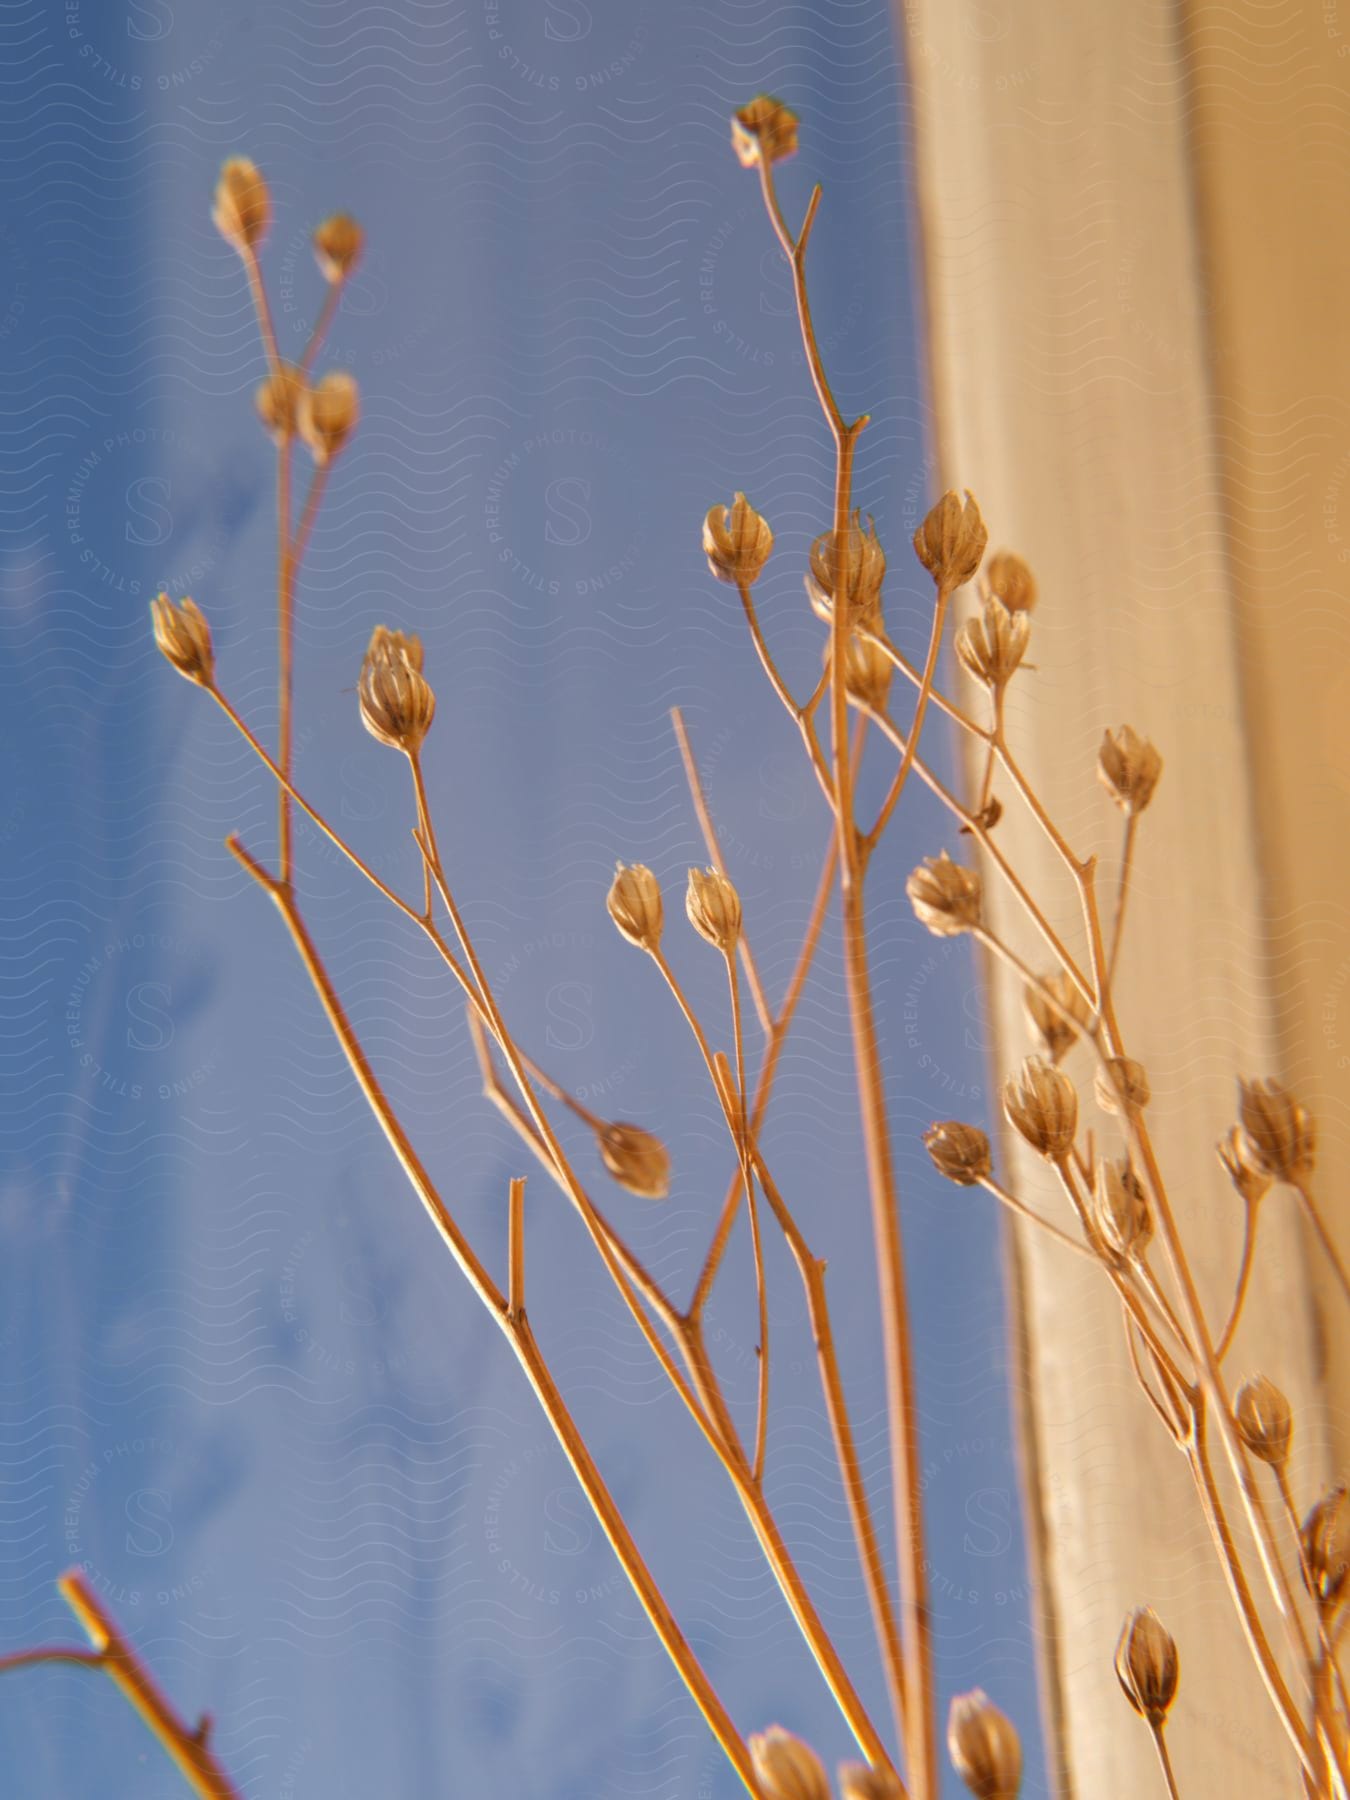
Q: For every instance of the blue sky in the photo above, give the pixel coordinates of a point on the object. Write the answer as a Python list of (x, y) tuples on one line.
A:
[(241, 1382)]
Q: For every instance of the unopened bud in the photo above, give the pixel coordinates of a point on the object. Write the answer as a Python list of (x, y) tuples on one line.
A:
[(960, 1152), (338, 243), (1041, 1103), (277, 400), (985, 1749), (864, 569), (184, 637), (951, 540), (243, 206), (1264, 1420), (867, 672), (1056, 1011), (634, 903), (328, 413), (1121, 1085), (1325, 1537), (945, 897), (1010, 580), (736, 541), (396, 701), (714, 908), (1120, 1209), (786, 1767), (1251, 1183), (1279, 1135), (858, 1782), (1128, 768), (1147, 1665), (636, 1159), (765, 131), (991, 647)]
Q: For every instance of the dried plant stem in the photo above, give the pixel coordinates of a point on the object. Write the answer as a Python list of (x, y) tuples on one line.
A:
[(1023, 1211), (516, 1329), (249, 257), (1324, 1236), (757, 1248), (1165, 1760), (1244, 1275), (285, 649), (897, 786), (907, 1493), (327, 313), (188, 1747), (1122, 892), (515, 1285), (1327, 1638)]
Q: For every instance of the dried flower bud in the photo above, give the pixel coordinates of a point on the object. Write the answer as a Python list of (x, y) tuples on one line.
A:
[(338, 243), (945, 897), (858, 1782), (243, 208), (1057, 1025), (1232, 1152), (867, 672), (184, 637), (636, 1159), (396, 701), (1128, 768), (764, 131), (714, 908), (1120, 1209), (1121, 1085), (1010, 580), (951, 540), (1146, 1663), (1264, 1420), (736, 542), (786, 1768), (1042, 1104), (864, 563), (634, 903), (277, 400), (960, 1152), (985, 1749), (1279, 1135), (1325, 1537), (328, 413), (991, 647)]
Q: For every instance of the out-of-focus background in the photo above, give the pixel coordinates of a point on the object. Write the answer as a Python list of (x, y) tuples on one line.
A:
[(243, 1387)]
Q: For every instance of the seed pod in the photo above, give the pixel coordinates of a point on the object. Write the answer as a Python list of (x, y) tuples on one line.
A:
[(327, 414), (960, 1152), (1042, 1104), (338, 243), (184, 637), (1147, 1666), (1264, 1420), (764, 132), (1058, 1032), (714, 909), (985, 1749), (1128, 768), (1232, 1152), (992, 646), (864, 565), (634, 903), (945, 897), (1279, 1136), (1120, 1209), (858, 1782), (736, 542), (243, 206), (1121, 1085), (786, 1768), (396, 701), (1009, 579), (867, 672), (1325, 1537), (951, 540), (277, 400), (636, 1159)]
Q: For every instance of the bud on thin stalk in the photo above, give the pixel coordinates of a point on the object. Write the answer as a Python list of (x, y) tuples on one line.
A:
[(764, 132), (637, 1159), (1147, 1665), (328, 413), (184, 638), (737, 542), (945, 897), (713, 908), (985, 1749), (951, 540), (787, 1768), (634, 903), (1264, 1420)]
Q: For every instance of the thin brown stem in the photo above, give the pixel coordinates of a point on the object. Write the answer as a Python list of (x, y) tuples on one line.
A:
[(285, 649), (327, 312), (1122, 893), (1244, 1276), (1023, 1211), (249, 257), (757, 1248), (897, 786), (1324, 1236), (1165, 1760), (515, 1250)]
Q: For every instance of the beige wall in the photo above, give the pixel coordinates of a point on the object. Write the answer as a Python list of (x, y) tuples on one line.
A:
[(1132, 237)]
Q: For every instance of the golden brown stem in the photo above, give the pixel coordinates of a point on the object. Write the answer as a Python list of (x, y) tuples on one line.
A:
[(515, 1249), (285, 650), (897, 786), (249, 257), (326, 315), (1023, 1211), (1324, 1236), (187, 1747), (1122, 893), (1244, 1276), (1166, 1761), (757, 1248)]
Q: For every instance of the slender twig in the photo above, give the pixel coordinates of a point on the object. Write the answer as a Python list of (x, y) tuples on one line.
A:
[(1324, 1237), (1023, 1211), (1164, 1758), (1250, 1211), (897, 786), (249, 257), (515, 1230), (321, 324), (1122, 892), (285, 647), (757, 1248)]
